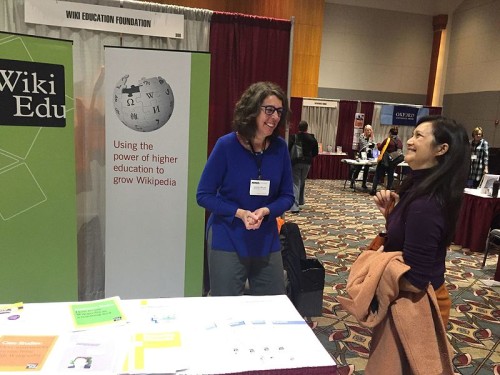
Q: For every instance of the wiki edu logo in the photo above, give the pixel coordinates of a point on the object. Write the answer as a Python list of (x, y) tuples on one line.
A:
[(32, 94)]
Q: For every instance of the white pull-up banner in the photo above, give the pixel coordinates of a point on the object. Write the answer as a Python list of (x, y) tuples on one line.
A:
[(156, 137)]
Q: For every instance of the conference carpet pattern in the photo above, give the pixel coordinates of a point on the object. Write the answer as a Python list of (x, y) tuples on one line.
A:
[(336, 225)]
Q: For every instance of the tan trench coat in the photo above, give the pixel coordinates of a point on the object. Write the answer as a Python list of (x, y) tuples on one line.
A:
[(408, 333)]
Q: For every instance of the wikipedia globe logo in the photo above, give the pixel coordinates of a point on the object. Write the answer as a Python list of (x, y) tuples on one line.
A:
[(145, 106)]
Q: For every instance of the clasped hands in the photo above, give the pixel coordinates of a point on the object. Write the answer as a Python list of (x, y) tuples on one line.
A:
[(252, 220)]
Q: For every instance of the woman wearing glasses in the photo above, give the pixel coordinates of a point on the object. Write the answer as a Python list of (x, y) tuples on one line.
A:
[(246, 185), (478, 158)]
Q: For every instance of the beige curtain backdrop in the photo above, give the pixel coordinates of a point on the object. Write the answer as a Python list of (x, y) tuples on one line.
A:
[(88, 61), (323, 123)]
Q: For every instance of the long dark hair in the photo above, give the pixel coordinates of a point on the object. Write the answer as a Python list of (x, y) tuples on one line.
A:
[(248, 108), (447, 180)]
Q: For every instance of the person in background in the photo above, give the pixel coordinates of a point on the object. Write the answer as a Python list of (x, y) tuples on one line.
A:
[(478, 158), (246, 184), (365, 144), (393, 145), (300, 167), (426, 208)]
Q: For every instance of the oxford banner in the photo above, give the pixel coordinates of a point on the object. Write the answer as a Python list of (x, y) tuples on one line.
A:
[(156, 145), (401, 115), (37, 170)]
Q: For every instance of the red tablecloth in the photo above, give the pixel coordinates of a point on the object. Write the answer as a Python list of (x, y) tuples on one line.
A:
[(474, 222), (328, 167)]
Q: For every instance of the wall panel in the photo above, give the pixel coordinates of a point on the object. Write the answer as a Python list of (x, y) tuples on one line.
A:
[(476, 109), (307, 34)]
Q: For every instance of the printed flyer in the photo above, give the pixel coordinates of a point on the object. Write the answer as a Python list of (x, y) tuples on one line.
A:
[(156, 353), (24, 353), (97, 313)]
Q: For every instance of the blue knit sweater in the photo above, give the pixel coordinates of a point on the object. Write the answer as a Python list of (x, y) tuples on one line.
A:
[(225, 186)]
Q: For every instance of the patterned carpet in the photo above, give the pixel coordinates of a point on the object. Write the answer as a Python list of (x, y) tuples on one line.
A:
[(336, 224)]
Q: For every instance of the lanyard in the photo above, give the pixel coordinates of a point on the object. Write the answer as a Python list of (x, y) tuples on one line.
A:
[(258, 160)]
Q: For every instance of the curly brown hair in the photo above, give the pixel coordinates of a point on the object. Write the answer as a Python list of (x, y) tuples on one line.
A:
[(249, 106)]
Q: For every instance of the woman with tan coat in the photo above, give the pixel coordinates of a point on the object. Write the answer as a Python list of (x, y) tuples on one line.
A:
[(420, 228)]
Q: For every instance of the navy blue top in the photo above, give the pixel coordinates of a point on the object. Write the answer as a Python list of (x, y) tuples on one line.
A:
[(420, 234), (225, 186)]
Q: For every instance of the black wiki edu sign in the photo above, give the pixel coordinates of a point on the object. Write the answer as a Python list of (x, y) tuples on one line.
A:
[(32, 94)]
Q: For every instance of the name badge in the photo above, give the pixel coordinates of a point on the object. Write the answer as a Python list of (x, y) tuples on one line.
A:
[(259, 187), (473, 157)]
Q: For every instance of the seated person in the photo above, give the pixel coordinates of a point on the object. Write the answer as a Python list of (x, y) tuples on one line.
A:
[(365, 144)]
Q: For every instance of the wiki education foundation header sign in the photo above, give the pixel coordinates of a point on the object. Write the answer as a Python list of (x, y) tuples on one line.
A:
[(96, 17)]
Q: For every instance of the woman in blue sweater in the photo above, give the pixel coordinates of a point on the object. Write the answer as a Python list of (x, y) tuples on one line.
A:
[(422, 223), (246, 185)]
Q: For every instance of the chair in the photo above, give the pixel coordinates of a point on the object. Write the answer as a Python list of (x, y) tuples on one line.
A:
[(371, 172), (493, 240)]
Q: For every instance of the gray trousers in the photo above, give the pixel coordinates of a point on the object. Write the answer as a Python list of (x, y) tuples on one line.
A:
[(299, 174), (229, 273)]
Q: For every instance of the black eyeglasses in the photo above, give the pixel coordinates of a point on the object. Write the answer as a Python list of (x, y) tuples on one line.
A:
[(270, 109)]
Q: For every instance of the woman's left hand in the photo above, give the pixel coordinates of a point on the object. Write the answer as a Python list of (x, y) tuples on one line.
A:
[(385, 201)]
